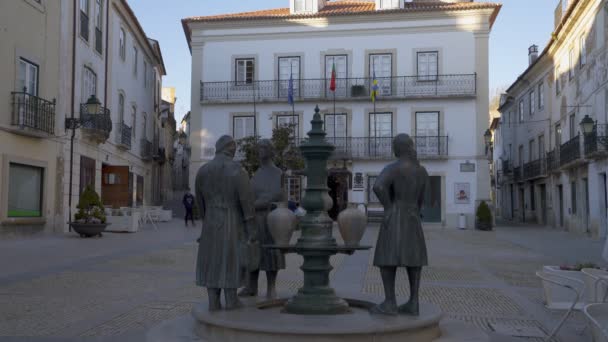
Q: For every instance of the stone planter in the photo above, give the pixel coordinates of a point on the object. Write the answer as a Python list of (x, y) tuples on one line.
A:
[(89, 229), (485, 226), (351, 223), (281, 223)]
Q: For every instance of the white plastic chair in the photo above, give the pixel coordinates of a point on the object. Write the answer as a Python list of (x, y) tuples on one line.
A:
[(596, 282), (597, 318), (575, 285)]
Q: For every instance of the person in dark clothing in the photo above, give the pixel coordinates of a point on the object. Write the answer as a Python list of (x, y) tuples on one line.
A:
[(188, 202)]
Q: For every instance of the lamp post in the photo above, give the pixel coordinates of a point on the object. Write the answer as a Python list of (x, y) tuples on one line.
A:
[(92, 106), (587, 125)]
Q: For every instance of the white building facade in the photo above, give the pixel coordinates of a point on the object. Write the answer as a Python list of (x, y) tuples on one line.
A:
[(548, 170), (111, 58), (431, 63)]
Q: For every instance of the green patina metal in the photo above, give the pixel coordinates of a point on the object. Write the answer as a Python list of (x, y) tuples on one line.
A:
[(316, 244)]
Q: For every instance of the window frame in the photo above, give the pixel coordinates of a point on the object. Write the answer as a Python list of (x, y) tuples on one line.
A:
[(134, 122), (582, 51), (521, 110), (135, 59), (532, 103), (541, 96), (234, 119), (571, 62), (86, 11), (122, 44), (427, 112), (383, 79), (558, 85), (296, 131), (296, 81), (41, 185), (121, 107), (428, 77), (245, 82), (328, 77), (28, 63), (334, 115), (88, 71), (303, 4)]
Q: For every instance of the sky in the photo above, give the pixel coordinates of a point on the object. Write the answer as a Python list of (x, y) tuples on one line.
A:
[(520, 24)]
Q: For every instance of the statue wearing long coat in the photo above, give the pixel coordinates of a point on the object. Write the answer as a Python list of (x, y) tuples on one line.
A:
[(226, 203), (400, 188)]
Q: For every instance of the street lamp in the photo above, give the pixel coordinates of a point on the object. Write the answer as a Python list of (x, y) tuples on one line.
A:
[(488, 137), (92, 106), (587, 125)]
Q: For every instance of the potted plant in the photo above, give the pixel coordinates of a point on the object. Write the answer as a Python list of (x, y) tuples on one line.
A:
[(358, 90), (90, 220), (483, 217)]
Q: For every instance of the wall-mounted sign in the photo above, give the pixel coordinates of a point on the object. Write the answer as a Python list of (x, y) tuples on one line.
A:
[(467, 167), (462, 193)]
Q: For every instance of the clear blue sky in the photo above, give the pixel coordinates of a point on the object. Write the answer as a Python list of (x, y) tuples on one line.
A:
[(520, 24)]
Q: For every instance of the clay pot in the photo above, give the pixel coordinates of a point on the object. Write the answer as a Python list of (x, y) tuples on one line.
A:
[(352, 223), (281, 223)]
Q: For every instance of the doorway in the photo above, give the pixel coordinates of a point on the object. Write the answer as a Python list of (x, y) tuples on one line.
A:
[(560, 195), (115, 187), (522, 206), (431, 210), (543, 204), (338, 183)]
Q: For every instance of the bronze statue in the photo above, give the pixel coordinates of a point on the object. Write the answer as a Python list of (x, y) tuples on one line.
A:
[(400, 188), (267, 183), (225, 200)]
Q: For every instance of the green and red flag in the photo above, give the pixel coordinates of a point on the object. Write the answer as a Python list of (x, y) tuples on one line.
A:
[(332, 83)]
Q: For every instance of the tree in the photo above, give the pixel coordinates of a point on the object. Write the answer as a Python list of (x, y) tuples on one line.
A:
[(287, 156)]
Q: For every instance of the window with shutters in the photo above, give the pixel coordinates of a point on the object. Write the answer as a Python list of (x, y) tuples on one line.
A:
[(135, 57), (89, 84), (27, 77), (381, 69), (541, 96), (289, 67), (303, 5), (532, 102), (428, 65), (292, 121), (243, 126), (521, 110), (389, 4), (133, 121), (245, 71), (341, 63), (84, 19), (121, 44), (583, 52), (98, 25)]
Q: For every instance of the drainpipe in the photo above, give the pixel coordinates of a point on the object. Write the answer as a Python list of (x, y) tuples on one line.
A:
[(72, 116)]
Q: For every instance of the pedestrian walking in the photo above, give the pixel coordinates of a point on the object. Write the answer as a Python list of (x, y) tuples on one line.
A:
[(188, 202)]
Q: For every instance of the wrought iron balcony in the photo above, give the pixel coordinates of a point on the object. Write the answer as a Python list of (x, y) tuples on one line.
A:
[(146, 149), (382, 147), (570, 151), (596, 143), (507, 168), (123, 138), (535, 169), (396, 87), (517, 174), (33, 113), (96, 125), (553, 160)]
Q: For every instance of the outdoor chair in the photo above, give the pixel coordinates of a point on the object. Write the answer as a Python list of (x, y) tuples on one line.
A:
[(575, 285), (597, 318), (596, 282)]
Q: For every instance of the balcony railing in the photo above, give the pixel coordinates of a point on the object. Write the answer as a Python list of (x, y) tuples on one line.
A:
[(457, 85), (553, 160), (596, 143), (84, 26), (98, 40), (146, 149), (33, 112), (381, 148), (570, 151), (507, 168), (517, 173), (98, 125), (535, 169), (123, 139)]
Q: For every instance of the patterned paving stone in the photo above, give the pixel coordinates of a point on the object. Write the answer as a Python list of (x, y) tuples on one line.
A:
[(143, 317), (483, 323), (431, 274)]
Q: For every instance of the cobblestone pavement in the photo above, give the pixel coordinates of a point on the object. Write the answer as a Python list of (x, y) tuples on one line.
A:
[(117, 287)]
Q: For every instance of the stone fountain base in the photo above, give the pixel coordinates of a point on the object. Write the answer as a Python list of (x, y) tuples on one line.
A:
[(266, 323)]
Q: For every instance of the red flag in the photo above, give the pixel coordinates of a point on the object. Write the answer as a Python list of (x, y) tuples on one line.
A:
[(332, 84)]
